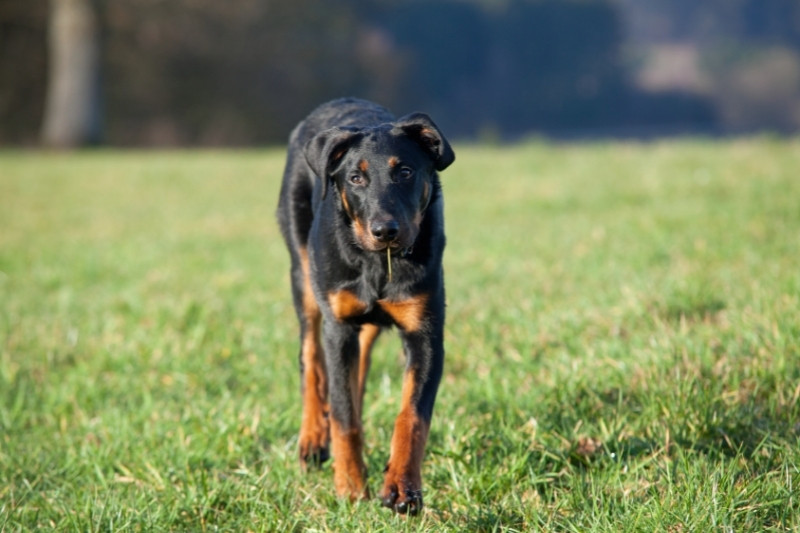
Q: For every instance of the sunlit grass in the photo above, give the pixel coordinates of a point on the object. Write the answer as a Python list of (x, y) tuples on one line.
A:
[(623, 344)]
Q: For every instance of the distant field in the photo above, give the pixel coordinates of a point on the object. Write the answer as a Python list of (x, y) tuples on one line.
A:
[(623, 345)]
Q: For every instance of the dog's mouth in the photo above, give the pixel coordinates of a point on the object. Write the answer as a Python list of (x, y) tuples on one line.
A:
[(401, 246), (372, 241), (396, 247)]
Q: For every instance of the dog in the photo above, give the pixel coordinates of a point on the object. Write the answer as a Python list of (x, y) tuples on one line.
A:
[(361, 212)]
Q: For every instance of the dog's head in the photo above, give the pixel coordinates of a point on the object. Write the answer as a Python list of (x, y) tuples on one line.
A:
[(384, 176)]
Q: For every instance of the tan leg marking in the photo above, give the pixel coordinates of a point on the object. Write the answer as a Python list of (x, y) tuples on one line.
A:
[(349, 471), (402, 486), (366, 338), (314, 430)]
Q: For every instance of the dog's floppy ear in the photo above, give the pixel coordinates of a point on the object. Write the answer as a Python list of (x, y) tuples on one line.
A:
[(326, 149), (422, 129)]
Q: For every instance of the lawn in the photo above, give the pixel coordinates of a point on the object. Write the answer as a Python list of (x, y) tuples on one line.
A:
[(623, 344)]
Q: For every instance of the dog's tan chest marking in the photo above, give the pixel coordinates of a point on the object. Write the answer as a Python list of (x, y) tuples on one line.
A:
[(345, 304), (409, 314)]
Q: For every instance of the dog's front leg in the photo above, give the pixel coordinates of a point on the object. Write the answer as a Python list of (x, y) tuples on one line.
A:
[(347, 439), (402, 487)]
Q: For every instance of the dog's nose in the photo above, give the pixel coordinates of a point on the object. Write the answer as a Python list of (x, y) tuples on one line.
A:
[(385, 230)]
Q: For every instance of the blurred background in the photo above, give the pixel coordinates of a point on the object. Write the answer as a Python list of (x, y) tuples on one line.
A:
[(243, 72)]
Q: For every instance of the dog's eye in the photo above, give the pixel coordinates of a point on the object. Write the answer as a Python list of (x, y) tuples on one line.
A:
[(357, 179), (405, 173)]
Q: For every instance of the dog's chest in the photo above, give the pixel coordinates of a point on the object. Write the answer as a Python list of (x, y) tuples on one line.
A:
[(407, 313)]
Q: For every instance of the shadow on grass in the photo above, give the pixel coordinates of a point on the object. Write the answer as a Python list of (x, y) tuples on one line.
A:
[(690, 303), (603, 428)]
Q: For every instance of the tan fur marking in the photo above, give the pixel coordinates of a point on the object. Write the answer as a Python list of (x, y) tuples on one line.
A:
[(404, 471), (346, 204), (366, 338), (393, 161), (363, 165), (314, 431), (409, 314), (345, 304), (349, 471), (362, 235), (310, 306)]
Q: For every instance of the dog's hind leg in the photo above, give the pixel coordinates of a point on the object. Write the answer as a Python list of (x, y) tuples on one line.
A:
[(314, 429), (366, 338)]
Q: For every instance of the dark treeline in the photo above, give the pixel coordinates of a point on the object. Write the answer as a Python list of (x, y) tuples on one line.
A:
[(711, 21), (243, 72)]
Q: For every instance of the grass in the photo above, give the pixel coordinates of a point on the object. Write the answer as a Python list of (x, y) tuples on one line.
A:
[(623, 345)]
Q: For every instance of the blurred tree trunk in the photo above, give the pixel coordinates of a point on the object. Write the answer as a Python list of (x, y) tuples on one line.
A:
[(72, 108)]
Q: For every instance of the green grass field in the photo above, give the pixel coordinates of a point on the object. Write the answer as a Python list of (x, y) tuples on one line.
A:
[(623, 345)]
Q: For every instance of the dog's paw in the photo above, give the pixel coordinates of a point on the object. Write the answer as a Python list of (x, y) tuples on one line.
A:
[(315, 436), (402, 501), (314, 449), (313, 456)]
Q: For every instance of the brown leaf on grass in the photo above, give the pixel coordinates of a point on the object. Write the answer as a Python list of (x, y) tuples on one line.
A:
[(587, 447)]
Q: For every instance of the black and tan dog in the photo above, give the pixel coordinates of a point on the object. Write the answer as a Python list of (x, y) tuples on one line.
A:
[(361, 212)]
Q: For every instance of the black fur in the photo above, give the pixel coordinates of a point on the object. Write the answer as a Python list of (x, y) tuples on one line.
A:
[(357, 181)]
